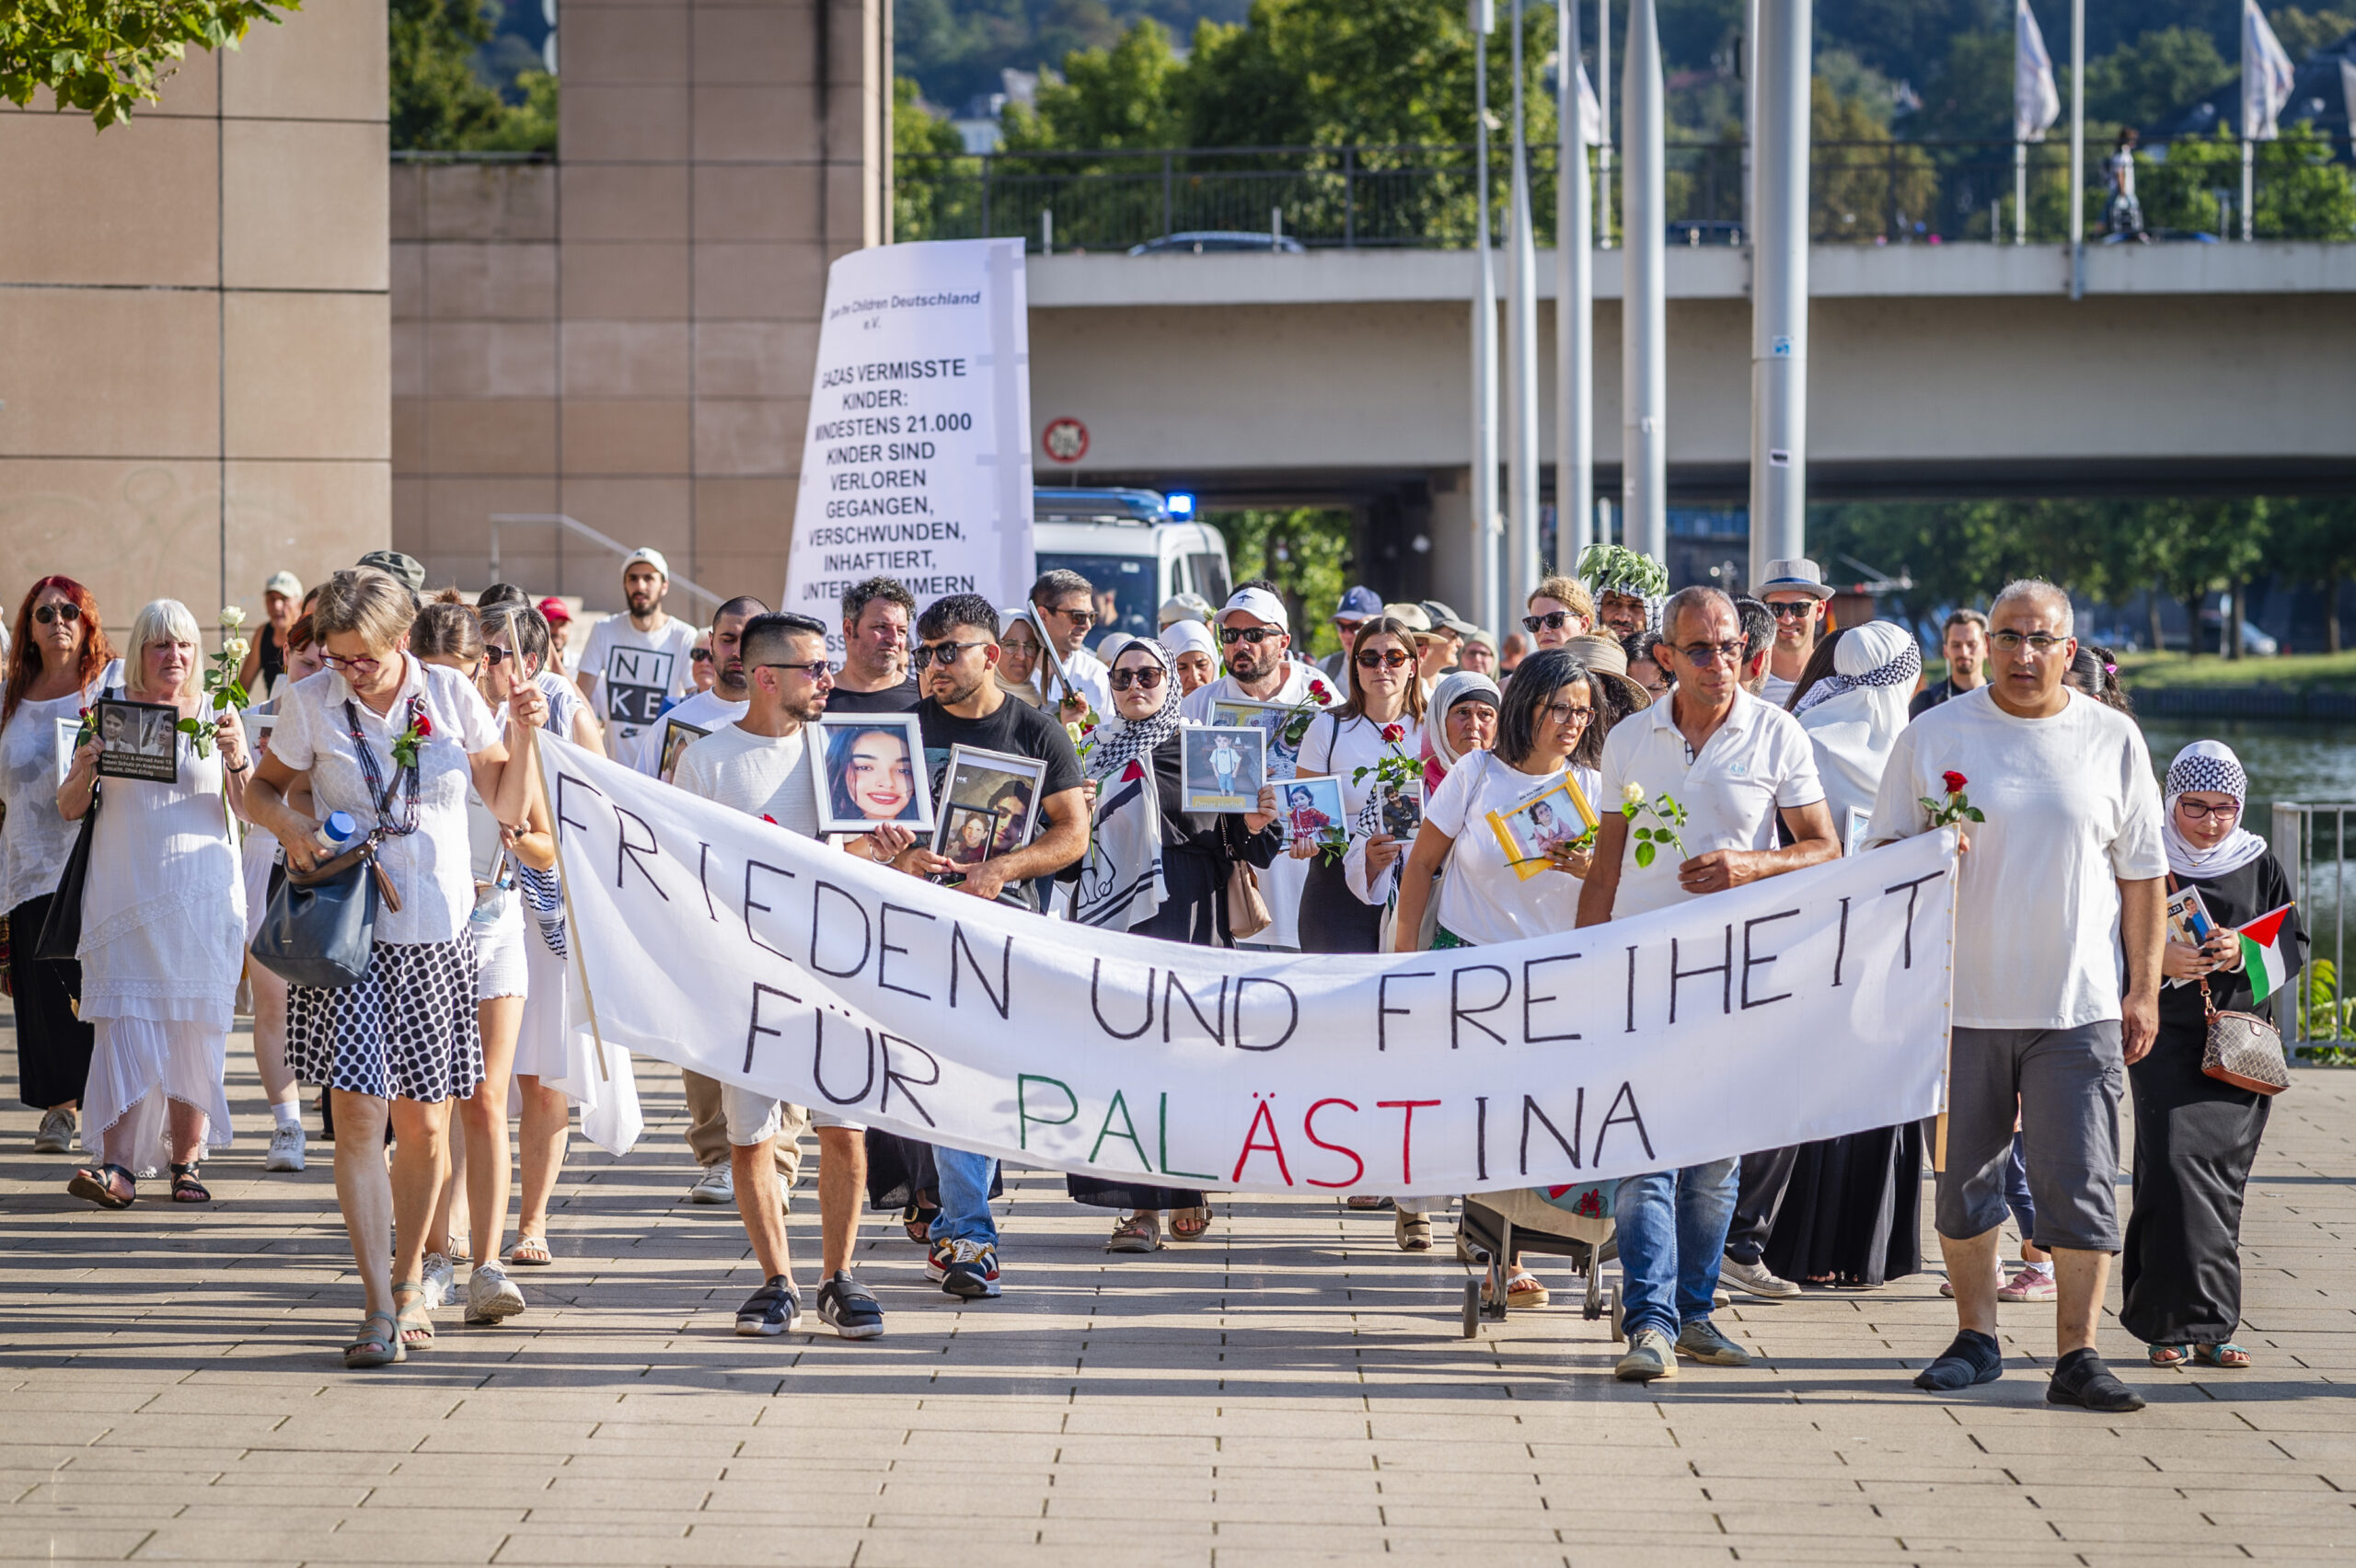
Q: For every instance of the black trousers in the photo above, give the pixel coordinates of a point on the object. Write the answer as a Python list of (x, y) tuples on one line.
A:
[(52, 1045), (1765, 1177)]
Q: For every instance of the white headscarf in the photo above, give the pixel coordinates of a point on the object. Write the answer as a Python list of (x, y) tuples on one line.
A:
[(1189, 637), (1452, 688), (1120, 739), (1854, 714), (2208, 767)]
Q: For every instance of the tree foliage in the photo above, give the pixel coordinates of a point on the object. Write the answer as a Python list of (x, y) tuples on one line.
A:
[(2302, 192), (2162, 70), (1305, 552), (438, 103), (106, 57)]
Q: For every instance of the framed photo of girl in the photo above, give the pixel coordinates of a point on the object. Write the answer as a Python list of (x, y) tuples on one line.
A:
[(989, 801), (1543, 826), (870, 770)]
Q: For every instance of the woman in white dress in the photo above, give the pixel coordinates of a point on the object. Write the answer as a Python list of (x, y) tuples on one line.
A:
[(58, 660), (163, 928), (395, 743)]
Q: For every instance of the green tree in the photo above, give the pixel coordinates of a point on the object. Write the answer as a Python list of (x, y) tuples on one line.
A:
[(2302, 192), (2315, 545), (930, 200), (106, 57), (2162, 70), (2203, 547), (1305, 552), (1127, 96), (2303, 32), (1863, 180), (439, 104), (1969, 97)]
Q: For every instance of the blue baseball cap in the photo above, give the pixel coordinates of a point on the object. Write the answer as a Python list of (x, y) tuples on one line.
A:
[(1359, 604)]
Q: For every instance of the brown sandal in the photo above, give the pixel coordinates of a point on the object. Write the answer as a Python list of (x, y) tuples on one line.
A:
[(1190, 1223), (1412, 1231)]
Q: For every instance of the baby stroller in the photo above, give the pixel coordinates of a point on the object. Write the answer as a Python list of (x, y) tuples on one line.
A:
[(1576, 1225)]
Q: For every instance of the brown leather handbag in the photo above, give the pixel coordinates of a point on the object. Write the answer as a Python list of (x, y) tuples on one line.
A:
[(2243, 1049)]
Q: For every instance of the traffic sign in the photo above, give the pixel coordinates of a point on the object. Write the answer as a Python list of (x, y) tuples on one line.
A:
[(1065, 440)]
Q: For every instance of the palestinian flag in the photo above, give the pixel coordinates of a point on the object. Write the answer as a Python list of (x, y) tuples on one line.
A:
[(2262, 953)]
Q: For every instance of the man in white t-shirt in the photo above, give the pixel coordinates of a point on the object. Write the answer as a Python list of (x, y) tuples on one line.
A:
[(1795, 593), (2068, 852), (1065, 604), (636, 661), (761, 766), (1257, 639), (720, 705), (1736, 764)]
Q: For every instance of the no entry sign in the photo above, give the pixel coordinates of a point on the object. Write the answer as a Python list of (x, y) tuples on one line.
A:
[(1065, 440)]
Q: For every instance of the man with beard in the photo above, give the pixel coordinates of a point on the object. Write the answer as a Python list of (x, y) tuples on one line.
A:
[(725, 702), (1253, 632), (874, 678), (634, 662), (1065, 606), (1795, 593)]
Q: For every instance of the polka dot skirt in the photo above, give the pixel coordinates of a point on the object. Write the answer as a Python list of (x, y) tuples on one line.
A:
[(405, 1030)]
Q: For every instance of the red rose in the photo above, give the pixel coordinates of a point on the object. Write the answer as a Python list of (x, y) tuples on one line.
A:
[(1953, 781), (424, 726), (1394, 733), (1317, 689), (768, 819)]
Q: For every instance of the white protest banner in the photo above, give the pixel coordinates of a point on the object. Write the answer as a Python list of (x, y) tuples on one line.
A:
[(918, 460), (1799, 1008)]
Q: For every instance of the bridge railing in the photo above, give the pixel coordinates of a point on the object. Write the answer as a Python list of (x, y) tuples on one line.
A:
[(1875, 192), (2317, 1010)]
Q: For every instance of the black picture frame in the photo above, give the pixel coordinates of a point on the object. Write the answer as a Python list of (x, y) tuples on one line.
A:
[(141, 740)]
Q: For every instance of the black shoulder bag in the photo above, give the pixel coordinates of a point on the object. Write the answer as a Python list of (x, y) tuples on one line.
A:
[(320, 929), (60, 937)]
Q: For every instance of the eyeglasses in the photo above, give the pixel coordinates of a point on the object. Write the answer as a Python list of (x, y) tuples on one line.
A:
[(50, 613), (1389, 659), (496, 655), (1146, 679), (1568, 713), (1553, 620), (924, 653), (1077, 617), (358, 667), (814, 668), (1255, 635), (2200, 812), (2037, 643), (1703, 652), (1790, 610), (698, 655)]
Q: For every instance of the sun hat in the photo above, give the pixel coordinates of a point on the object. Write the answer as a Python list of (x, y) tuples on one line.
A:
[(1799, 575)]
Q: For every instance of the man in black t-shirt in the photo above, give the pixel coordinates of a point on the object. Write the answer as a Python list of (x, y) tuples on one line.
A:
[(956, 661), (874, 678), (1964, 640)]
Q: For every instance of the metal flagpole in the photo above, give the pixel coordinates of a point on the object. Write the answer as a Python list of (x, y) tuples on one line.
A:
[(2077, 149), (1644, 451), (1484, 338), (1574, 313), (1519, 573), (1779, 291)]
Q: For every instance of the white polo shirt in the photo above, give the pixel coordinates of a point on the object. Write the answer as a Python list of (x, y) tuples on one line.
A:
[(1758, 763)]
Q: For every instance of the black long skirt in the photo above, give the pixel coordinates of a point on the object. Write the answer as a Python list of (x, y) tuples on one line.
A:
[(1333, 919), (2196, 1139), (52, 1045), (1854, 1211)]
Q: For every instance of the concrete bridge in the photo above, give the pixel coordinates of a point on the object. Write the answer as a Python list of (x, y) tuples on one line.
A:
[(1344, 377)]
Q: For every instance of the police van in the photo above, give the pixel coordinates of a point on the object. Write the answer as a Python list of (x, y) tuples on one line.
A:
[(1135, 547)]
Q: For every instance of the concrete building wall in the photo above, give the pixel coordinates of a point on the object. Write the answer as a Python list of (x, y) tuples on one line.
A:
[(627, 336), (193, 326)]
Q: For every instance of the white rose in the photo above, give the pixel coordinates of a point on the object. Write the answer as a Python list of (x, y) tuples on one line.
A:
[(232, 617), (235, 648), (1632, 794)]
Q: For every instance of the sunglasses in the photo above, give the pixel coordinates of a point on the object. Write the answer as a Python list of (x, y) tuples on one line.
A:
[(1703, 652), (1255, 635), (924, 653), (698, 655), (814, 668), (1077, 617), (1553, 620), (495, 655), (1389, 659), (1146, 679), (1789, 611), (49, 614)]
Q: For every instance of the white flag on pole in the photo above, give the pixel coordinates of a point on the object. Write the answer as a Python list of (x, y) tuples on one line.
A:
[(2267, 75), (1590, 111), (2036, 102)]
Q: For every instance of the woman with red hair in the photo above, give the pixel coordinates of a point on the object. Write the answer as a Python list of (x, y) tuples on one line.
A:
[(58, 662)]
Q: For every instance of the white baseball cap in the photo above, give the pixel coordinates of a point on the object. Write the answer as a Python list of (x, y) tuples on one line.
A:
[(1188, 637), (649, 556), (1260, 604)]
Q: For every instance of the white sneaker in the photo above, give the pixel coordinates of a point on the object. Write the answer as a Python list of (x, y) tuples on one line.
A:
[(58, 1130), (490, 1294), (286, 1143), (440, 1278), (1757, 1279), (716, 1185)]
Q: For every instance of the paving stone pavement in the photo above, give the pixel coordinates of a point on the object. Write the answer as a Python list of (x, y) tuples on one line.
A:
[(1291, 1390)]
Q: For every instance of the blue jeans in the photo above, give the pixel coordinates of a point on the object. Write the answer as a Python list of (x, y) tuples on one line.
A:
[(965, 1196), (1672, 1234)]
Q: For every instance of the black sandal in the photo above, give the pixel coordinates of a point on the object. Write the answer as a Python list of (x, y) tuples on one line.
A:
[(186, 1188), (95, 1184), (917, 1220)]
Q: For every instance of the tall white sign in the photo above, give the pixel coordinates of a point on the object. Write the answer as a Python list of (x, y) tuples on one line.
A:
[(917, 462)]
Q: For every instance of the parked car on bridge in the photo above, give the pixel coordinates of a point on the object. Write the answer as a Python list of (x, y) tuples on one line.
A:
[(1704, 231), (1132, 546), (1198, 241)]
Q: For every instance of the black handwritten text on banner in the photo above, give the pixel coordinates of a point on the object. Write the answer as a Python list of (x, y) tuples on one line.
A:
[(1797, 1009)]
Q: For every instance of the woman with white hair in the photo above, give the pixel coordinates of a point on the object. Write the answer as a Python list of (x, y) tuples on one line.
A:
[(163, 926), (1851, 1215)]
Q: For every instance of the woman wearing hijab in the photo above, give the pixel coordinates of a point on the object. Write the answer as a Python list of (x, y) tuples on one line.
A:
[(2196, 1137), (1154, 870), (1852, 1214)]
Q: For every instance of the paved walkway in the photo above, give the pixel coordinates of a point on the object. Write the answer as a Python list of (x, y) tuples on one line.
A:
[(1291, 1390)]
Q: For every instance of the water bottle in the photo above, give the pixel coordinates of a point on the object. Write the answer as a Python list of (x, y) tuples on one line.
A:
[(335, 835)]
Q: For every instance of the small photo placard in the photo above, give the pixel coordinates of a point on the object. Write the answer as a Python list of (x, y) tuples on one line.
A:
[(676, 739), (1853, 838), (1310, 808), (990, 803), (1532, 833), (69, 735), (1223, 768), (1271, 719), (870, 770), (1403, 810), (142, 740)]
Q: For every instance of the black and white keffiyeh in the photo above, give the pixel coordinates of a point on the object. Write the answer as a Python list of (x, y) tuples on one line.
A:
[(2211, 768), (1875, 655), (1119, 741)]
